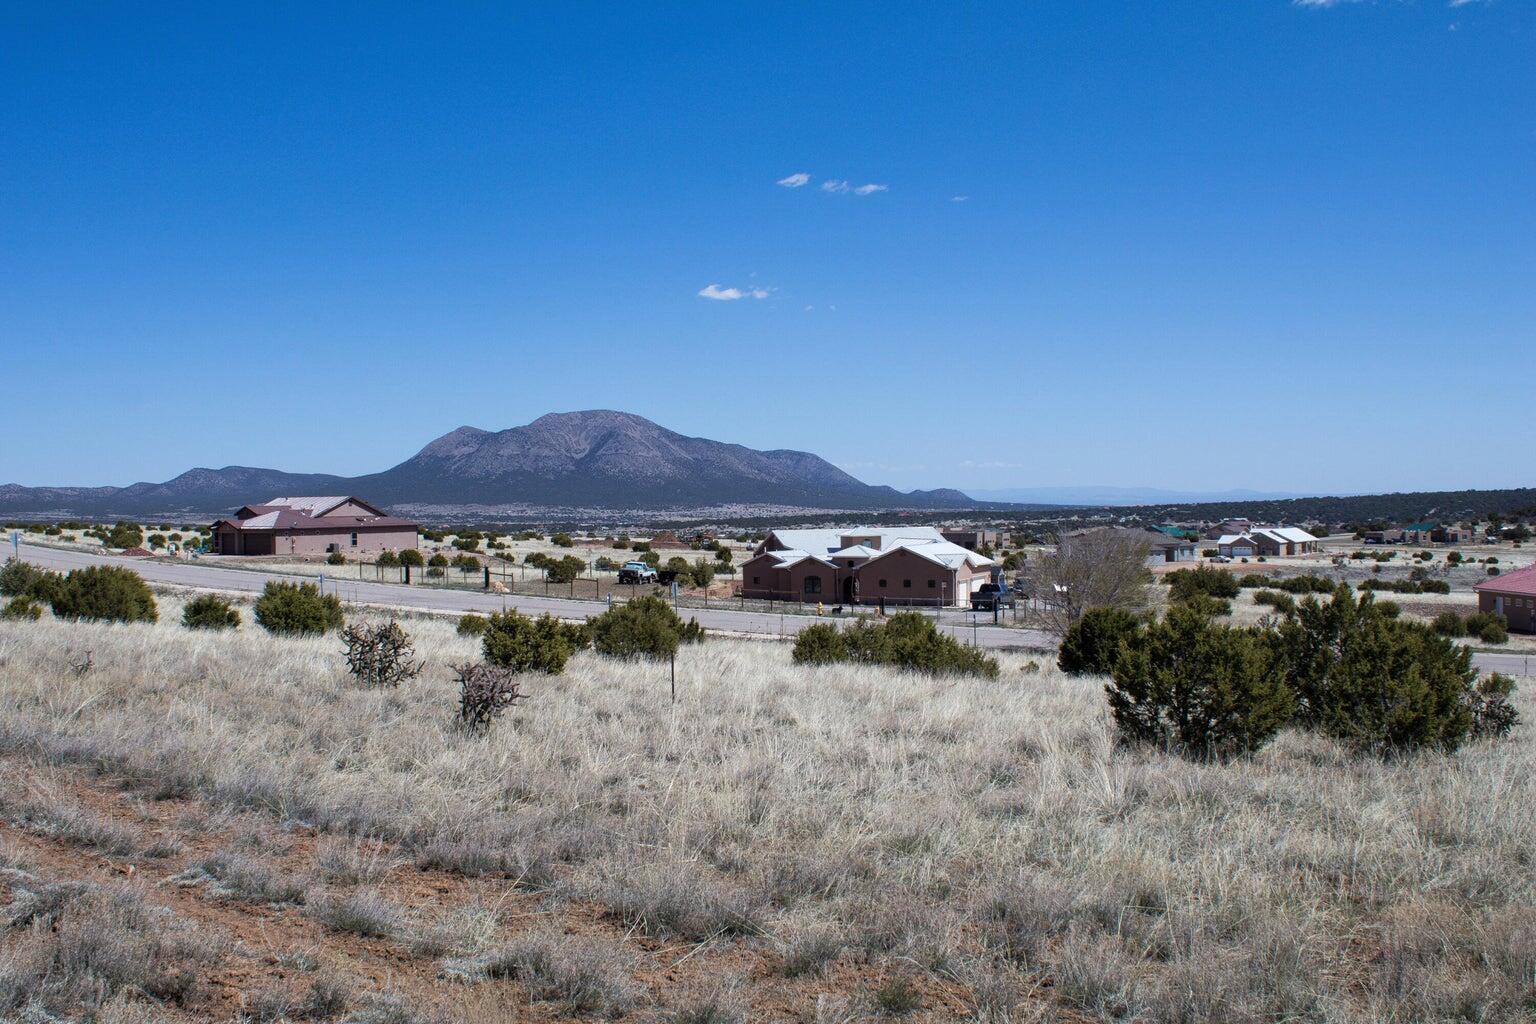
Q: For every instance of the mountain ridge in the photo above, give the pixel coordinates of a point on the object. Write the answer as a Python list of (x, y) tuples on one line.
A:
[(599, 458)]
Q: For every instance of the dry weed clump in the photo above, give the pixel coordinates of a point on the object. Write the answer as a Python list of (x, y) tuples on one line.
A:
[(991, 831)]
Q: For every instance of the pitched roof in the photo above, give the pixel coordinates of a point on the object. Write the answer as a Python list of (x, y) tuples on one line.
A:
[(824, 542), (945, 553), (319, 506), (1294, 534), (1516, 581)]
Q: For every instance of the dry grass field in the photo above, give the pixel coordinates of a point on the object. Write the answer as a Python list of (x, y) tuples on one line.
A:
[(200, 826)]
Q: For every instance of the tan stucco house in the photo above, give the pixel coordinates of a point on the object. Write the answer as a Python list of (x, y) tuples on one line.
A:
[(911, 565), (312, 526)]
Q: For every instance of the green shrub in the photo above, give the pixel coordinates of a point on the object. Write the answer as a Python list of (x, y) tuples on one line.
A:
[(1493, 715), (1449, 624), (646, 627), (650, 558), (1185, 583), (701, 573), (1283, 603), (1489, 627), (1374, 681), (438, 561), (22, 579), (124, 535), (468, 563), (411, 556), (562, 540), (104, 592), (21, 609), (1205, 604), (209, 612), (517, 642), (820, 644), (563, 569), (909, 640), (387, 557), (335, 558), (1092, 644), (606, 564), (297, 609), (156, 541), (467, 543), (1207, 690), (471, 624)]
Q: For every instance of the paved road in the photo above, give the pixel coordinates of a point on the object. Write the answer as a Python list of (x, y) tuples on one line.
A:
[(208, 576)]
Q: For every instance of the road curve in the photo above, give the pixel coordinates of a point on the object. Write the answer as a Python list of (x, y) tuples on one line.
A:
[(204, 576)]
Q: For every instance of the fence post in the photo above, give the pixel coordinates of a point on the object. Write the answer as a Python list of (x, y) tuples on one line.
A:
[(487, 577)]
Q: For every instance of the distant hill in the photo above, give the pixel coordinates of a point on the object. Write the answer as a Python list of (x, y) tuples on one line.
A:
[(597, 459)]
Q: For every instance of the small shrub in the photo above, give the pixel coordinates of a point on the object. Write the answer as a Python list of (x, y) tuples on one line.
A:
[(467, 563), (364, 913), (471, 624), (1092, 643), (22, 579), (1493, 715), (909, 640), (820, 644), (335, 558), (438, 561), (1185, 583), (297, 609), (516, 642), (896, 997), (21, 609), (209, 612), (411, 557), (387, 558), (1489, 627), (124, 535), (562, 540), (380, 656), (564, 569), (582, 974), (1449, 624), (1205, 604), (485, 691), (1283, 603), (106, 593)]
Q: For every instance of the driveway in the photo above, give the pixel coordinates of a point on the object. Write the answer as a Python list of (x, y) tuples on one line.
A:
[(213, 577)]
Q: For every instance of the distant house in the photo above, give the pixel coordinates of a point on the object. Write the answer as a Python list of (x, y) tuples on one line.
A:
[(312, 526), (911, 565), (975, 540), (1383, 537), (1512, 595), (1227, 528), (1267, 541), (1163, 548)]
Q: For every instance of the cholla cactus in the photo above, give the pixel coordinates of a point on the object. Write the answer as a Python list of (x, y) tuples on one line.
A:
[(380, 655)]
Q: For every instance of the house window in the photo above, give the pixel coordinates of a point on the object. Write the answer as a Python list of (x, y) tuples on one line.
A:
[(354, 538), (907, 584), (882, 583), (754, 581), (933, 584), (813, 584)]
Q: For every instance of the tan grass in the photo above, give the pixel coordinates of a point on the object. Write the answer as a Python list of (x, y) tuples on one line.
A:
[(987, 831)]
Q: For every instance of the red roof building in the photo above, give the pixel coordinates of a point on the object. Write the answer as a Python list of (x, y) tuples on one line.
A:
[(1512, 595), (312, 526)]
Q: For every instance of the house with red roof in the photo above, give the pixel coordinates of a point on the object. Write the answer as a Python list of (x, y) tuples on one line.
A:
[(1512, 595), (312, 526)]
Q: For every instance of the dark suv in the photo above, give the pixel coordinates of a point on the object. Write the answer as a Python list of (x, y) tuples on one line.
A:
[(991, 595)]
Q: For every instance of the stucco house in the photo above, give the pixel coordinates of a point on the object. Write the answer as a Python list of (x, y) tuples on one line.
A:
[(911, 565), (1512, 595), (312, 526), (1269, 541)]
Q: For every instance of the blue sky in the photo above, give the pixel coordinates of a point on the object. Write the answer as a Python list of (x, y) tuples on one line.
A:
[(1202, 245)]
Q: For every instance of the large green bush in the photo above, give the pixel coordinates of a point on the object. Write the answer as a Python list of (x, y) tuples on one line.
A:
[(563, 569), (1489, 627), (124, 535), (1375, 681), (1093, 643), (820, 644), (21, 609), (209, 612), (646, 627), (411, 556), (515, 641), (22, 579), (1207, 690), (104, 592), (297, 609)]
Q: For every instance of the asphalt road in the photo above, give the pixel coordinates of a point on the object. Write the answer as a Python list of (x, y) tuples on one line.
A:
[(207, 576)]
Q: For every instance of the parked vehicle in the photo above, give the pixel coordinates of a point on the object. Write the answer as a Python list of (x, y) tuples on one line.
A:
[(636, 572), (992, 595)]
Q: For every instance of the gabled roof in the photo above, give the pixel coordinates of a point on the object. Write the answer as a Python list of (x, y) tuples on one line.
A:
[(824, 542), (1516, 581), (943, 552), (319, 506), (1235, 538), (1294, 534), (856, 551)]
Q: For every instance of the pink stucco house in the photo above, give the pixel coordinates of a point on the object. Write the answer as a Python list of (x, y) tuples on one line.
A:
[(312, 526), (912, 565)]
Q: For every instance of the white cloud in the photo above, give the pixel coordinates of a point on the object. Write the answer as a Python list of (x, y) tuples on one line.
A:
[(867, 190), (833, 185), (794, 180), (1321, 3), (719, 294), (959, 199)]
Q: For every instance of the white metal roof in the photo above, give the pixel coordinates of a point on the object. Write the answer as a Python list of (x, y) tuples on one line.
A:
[(313, 505), (1293, 534), (824, 542), (1233, 538), (856, 551), (262, 522), (947, 554)]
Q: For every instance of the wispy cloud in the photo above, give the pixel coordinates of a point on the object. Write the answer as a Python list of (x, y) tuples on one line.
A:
[(719, 294), (959, 199), (795, 180), (869, 190), (833, 185)]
